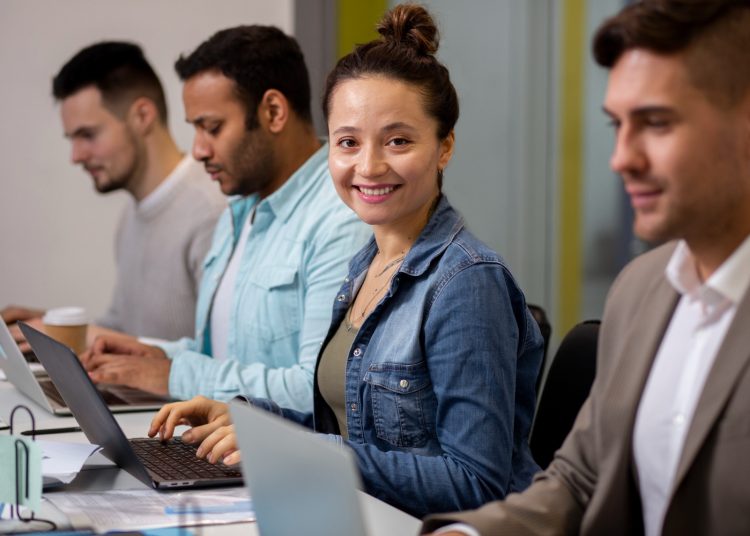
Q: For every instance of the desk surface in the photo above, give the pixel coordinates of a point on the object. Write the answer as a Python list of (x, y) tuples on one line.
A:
[(381, 518)]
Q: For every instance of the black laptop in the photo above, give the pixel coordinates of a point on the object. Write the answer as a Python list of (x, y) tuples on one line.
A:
[(171, 464)]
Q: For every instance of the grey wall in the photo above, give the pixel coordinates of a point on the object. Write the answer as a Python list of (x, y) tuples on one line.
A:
[(605, 216), (499, 56), (55, 231), (503, 57), (315, 30)]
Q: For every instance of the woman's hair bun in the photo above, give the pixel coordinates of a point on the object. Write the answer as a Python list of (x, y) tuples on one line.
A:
[(405, 51), (412, 26)]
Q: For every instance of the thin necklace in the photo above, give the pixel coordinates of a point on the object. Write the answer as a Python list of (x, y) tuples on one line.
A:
[(349, 321), (390, 265), (375, 293)]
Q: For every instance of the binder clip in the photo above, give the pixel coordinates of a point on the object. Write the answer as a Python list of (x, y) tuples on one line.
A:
[(26, 491)]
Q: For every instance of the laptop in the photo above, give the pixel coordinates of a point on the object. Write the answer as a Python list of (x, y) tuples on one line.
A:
[(170, 464), (298, 482), (37, 385)]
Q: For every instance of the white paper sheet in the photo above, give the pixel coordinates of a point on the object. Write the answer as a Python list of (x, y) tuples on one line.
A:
[(62, 460), (131, 509)]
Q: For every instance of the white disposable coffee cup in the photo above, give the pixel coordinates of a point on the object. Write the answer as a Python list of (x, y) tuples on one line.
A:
[(67, 325)]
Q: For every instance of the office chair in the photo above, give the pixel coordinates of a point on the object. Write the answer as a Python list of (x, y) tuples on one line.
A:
[(546, 328), (565, 389)]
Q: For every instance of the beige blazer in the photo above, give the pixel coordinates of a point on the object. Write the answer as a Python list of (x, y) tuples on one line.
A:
[(590, 487)]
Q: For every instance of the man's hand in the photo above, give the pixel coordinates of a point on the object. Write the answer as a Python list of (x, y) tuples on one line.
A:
[(122, 361), (15, 331), (203, 414), (13, 313), (94, 332)]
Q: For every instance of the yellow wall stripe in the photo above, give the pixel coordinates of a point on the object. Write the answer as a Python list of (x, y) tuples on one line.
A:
[(356, 23), (570, 162)]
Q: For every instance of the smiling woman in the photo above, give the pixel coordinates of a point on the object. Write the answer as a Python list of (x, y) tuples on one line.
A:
[(428, 369), (385, 154)]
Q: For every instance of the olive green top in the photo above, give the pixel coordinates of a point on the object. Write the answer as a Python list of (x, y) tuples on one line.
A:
[(332, 372)]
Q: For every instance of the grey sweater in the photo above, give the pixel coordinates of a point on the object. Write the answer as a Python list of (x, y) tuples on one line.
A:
[(159, 252)]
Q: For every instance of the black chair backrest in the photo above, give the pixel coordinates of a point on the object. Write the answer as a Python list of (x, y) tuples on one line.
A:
[(564, 391), (546, 328)]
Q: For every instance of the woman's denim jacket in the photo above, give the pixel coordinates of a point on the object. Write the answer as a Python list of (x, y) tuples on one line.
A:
[(440, 378)]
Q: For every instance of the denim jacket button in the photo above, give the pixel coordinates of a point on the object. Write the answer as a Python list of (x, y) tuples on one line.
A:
[(346, 280), (357, 352), (353, 406), (403, 384), (341, 297)]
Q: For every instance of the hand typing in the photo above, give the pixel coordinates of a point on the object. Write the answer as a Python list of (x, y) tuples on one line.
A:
[(210, 425), (14, 313), (122, 361)]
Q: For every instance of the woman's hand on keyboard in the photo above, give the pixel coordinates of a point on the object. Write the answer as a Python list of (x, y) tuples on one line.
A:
[(202, 414), (220, 445)]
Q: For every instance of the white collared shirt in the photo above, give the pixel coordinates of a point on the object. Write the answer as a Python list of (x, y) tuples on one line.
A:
[(682, 364), (463, 528)]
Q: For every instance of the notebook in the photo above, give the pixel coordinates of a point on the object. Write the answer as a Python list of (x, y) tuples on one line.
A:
[(37, 385), (171, 464), (299, 483)]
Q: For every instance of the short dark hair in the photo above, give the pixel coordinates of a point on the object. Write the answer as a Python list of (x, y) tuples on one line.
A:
[(405, 51), (118, 70), (257, 58), (714, 33)]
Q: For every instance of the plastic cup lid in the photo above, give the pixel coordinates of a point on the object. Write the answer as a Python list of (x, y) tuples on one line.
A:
[(65, 316)]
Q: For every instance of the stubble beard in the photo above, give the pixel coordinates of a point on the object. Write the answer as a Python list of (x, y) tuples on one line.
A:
[(254, 160), (124, 179)]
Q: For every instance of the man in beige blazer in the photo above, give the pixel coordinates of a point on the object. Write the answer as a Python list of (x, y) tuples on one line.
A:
[(662, 445)]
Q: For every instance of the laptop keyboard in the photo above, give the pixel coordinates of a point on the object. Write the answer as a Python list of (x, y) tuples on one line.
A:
[(51, 391), (175, 460)]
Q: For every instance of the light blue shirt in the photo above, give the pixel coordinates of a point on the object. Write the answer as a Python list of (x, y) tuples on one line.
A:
[(295, 257)]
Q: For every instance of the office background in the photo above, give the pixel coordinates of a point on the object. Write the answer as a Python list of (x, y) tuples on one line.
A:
[(530, 170)]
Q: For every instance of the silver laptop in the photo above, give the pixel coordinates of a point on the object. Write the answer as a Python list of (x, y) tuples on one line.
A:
[(299, 483), (168, 464), (38, 386)]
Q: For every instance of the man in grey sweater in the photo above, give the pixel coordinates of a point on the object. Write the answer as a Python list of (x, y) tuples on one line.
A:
[(114, 113)]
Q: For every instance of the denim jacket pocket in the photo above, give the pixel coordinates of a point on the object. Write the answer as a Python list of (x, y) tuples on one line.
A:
[(399, 393)]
